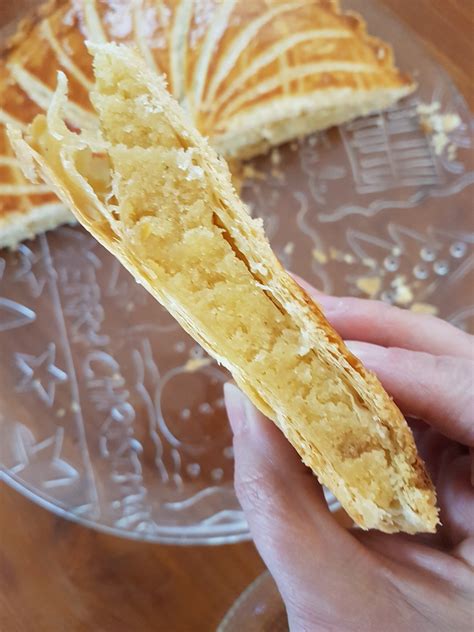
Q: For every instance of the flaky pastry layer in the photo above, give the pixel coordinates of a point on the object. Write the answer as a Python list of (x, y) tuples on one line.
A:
[(152, 190)]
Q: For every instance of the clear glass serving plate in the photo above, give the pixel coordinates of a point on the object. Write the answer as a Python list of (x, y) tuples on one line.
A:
[(111, 416), (258, 609)]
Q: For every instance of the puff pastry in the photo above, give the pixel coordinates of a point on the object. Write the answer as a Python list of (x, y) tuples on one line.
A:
[(251, 74), (152, 190)]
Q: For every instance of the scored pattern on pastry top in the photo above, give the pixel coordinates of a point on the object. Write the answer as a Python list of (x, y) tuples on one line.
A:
[(224, 57), (232, 64)]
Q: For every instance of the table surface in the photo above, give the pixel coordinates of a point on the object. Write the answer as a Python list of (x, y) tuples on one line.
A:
[(57, 576)]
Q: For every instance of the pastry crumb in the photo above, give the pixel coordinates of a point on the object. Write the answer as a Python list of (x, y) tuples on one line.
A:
[(452, 152), (369, 285), (440, 141), (289, 248), (424, 308), (275, 157), (427, 109), (338, 255), (251, 173), (194, 364), (439, 126), (368, 262), (403, 294), (320, 256)]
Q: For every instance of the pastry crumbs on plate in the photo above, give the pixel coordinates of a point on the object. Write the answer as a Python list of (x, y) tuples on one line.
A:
[(403, 294), (320, 256), (289, 248), (369, 285), (424, 308), (194, 364)]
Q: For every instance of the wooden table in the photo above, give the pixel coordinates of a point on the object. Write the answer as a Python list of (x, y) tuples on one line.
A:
[(57, 576)]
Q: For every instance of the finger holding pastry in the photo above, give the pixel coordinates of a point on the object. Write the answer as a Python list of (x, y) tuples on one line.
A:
[(423, 581)]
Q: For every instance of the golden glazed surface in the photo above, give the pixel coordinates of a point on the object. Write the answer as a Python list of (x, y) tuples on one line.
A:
[(251, 75)]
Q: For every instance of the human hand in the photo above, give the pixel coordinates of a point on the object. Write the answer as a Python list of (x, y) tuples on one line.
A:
[(334, 579)]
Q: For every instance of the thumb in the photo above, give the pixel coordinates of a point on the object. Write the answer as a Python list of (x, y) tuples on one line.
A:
[(304, 547)]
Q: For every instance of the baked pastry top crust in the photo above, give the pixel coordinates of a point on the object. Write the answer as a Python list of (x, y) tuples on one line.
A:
[(251, 75)]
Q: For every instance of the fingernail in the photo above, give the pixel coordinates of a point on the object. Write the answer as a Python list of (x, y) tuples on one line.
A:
[(366, 353), (331, 304), (237, 407)]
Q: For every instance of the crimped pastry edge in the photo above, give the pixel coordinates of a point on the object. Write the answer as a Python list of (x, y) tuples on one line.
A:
[(17, 227)]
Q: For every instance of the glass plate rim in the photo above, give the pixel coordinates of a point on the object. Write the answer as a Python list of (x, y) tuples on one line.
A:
[(230, 534)]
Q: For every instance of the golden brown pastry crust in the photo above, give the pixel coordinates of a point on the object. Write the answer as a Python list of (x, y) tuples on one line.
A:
[(252, 75), (345, 427)]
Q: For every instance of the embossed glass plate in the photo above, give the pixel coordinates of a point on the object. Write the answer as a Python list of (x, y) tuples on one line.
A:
[(110, 415), (258, 609)]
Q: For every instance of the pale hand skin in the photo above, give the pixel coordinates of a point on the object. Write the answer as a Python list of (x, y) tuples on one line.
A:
[(333, 579)]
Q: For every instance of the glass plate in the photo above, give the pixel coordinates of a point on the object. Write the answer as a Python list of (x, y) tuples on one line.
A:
[(258, 609), (113, 417)]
